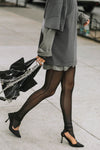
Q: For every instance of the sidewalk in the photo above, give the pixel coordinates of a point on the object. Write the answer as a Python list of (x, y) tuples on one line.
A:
[(41, 127)]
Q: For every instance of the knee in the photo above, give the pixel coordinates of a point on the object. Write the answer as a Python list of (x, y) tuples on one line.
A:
[(51, 92), (71, 85), (68, 86), (48, 91)]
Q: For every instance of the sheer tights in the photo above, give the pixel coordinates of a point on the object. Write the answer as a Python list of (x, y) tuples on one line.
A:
[(67, 85), (52, 80)]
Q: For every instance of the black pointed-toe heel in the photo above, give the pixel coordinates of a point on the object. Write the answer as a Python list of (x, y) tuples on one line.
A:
[(14, 122), (73, 145)]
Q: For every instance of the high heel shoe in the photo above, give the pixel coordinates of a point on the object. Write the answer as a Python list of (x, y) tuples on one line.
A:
[(14, 123), (73, 145)]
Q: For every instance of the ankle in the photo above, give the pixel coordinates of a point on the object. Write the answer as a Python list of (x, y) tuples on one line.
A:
[(68, 125), (16, 121), (17, 116), (69, 129)]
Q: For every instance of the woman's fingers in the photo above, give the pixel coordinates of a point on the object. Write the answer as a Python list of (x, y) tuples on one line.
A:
[(40, 60), (87, 23)]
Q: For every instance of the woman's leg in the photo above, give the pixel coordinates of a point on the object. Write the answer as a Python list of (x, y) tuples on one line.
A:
[(52, 80), (67, 85)]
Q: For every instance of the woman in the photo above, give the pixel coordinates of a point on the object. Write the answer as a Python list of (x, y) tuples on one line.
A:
[(57, 50)]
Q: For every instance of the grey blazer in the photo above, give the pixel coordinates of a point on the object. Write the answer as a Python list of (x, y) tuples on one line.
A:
[(54, 19)]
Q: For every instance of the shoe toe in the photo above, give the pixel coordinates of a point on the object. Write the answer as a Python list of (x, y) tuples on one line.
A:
[(16, 133), (79, 144)]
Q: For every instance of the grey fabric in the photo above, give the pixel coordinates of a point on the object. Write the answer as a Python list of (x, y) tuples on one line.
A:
[(58, 68), (64, 48), (56, 11), (47, 35), (47, 38), (63, 51)]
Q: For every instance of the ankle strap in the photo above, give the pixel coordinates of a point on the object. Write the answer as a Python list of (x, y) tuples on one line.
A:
[(68, 126)]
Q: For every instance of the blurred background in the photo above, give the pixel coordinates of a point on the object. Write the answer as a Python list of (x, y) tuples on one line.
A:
[(90, 7), (20, 26)]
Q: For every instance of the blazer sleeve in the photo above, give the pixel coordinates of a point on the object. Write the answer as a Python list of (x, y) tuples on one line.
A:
[(52, 14), (47, 36), (82, 18)]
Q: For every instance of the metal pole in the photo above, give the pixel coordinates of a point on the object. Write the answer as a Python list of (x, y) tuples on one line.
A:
[(25, 3), (16, 2), (91, 17)]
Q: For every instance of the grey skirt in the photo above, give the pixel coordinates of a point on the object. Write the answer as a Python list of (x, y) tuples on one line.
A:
[(57, 68)]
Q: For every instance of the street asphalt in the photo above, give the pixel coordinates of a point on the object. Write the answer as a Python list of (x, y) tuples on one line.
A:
[(41, 127)]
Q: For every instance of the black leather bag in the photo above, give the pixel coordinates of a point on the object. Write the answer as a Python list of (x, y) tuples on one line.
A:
[(17, 69)]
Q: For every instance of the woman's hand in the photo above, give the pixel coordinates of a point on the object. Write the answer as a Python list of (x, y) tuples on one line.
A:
[(87, 22), (40, 60)]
